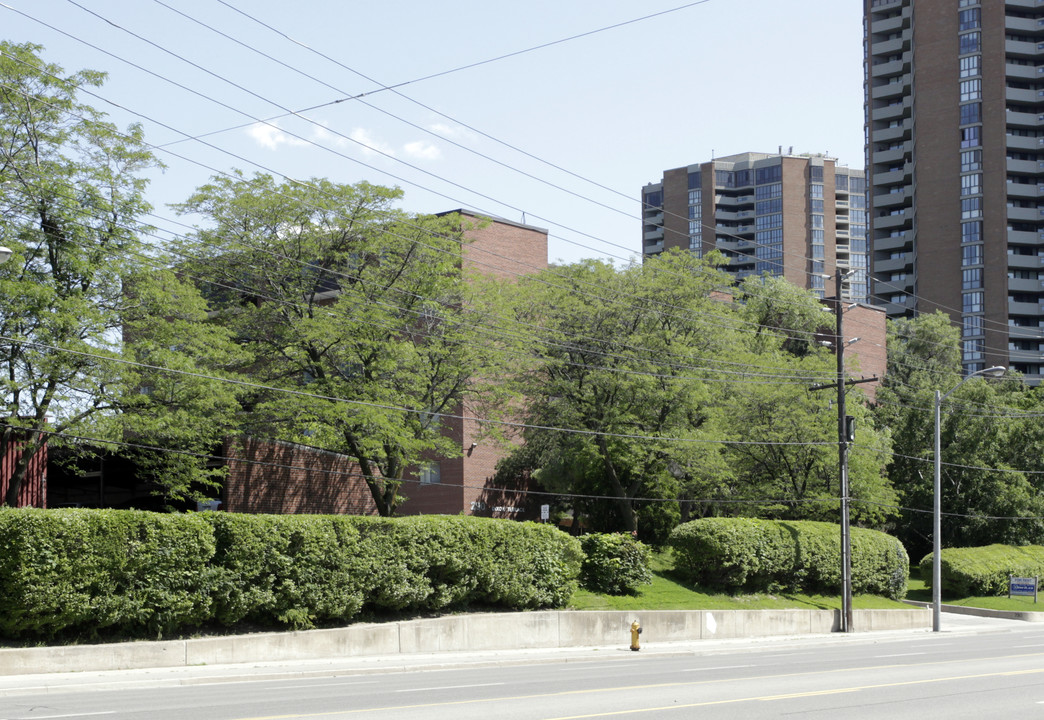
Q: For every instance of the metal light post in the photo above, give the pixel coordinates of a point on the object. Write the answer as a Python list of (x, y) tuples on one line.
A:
[(5, 254), (995, 371)]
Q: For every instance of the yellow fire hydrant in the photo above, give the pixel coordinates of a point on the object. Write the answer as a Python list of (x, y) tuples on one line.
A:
[(636, 630)]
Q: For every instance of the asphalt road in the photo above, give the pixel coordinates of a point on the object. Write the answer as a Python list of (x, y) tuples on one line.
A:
[(981, 674)]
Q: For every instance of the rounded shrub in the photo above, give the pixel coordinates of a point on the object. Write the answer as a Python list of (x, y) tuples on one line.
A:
[(614, 564)]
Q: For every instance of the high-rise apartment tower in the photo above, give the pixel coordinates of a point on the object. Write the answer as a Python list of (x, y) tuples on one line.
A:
[(795, 216), (955, 162)]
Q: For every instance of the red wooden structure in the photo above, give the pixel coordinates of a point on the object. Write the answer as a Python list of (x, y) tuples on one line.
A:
[(33, 492)]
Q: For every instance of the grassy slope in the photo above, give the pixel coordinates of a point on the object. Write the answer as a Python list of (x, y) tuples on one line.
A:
[(666, 593), (921, 592)]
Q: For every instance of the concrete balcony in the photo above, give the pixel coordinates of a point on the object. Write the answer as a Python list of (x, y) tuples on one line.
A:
[(1021, 72), (1022, 143), (889, 244), (894, 156), (1015, 332), (1023, 237), (894, 111), (891, 222), (892, 177), (890, 200), (1021, 214), (889, 134), (890, 47), (895, 309), (1020, 48), (1020, 25), (1022, 96), (1033, 356), (1023, 190), (895, 89), (1023, 308), (653, 235), (888, 25), (655, 218), (885, 69), (1024, 262), (1026, 167), (1021, 119), (1024, 285), (1023, 4)]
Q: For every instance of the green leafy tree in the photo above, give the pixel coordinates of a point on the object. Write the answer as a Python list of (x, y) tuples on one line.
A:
[(354, 307), (71, 194), (990, 438), (619, 357)]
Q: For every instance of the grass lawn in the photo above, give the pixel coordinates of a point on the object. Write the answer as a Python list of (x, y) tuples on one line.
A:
[(667, 593), (920, 591)]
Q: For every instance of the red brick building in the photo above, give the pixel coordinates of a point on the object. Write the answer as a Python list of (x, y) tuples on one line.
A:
[(33, 492), (287, 478)]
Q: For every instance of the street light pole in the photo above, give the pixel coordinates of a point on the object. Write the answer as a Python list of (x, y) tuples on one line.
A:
[(5, 254), (995, 371)]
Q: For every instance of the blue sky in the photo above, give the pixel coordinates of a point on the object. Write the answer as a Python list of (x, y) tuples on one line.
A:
[(595, 118)]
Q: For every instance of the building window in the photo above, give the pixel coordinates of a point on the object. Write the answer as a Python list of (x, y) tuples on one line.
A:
[(766, 175), (724, 178), (971, 113), (972, 302), (764, 192), (972, 325), (742, 178), (971, 160), (970, 136), (815, 173), (840, 182), (765, 207), (971, 279), (973, 350), (971, 66), (695, 180), (969, 43), (429, 473), (764, 222), (971, 89), (969, 19), (971, 255), (971, 184), (815, 190), (654, 199), (971, 208)]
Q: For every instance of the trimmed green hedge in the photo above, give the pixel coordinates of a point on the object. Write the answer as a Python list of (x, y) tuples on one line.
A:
[(91, 573), (983, 571), (745, 554), (614, 564)]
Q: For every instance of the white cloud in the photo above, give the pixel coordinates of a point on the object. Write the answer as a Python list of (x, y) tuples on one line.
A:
[(370, 144), (422, 150), (271, 137)]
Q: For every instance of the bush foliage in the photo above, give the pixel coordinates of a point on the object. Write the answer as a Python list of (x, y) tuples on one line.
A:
[(744, 554), (89, 573), (983, 571), (614, 564)]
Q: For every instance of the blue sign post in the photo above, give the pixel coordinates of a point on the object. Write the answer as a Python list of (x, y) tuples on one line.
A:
[(1022, 586)]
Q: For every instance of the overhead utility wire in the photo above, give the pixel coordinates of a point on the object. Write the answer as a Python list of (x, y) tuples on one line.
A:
[(707, 367), (229, 107), (396, 408), (251, 162)]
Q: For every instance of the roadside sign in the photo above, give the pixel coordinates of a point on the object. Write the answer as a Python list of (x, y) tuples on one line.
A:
[(1022, 586), (545, 512)]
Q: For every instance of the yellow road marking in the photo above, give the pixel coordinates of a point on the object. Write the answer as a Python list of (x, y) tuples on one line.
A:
[(765, 698)]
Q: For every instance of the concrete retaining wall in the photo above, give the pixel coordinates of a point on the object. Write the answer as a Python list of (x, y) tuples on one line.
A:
[(498, 631)]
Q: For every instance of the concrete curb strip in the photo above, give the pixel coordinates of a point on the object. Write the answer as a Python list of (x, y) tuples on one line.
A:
[(454, 633)]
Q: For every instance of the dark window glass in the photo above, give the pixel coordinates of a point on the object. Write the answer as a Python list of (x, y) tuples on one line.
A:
[(695, 180), (654, 199), (773, 173), (743, 178), (971, 113)]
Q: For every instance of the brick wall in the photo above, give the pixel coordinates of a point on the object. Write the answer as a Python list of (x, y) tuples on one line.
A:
[(268, 476)]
